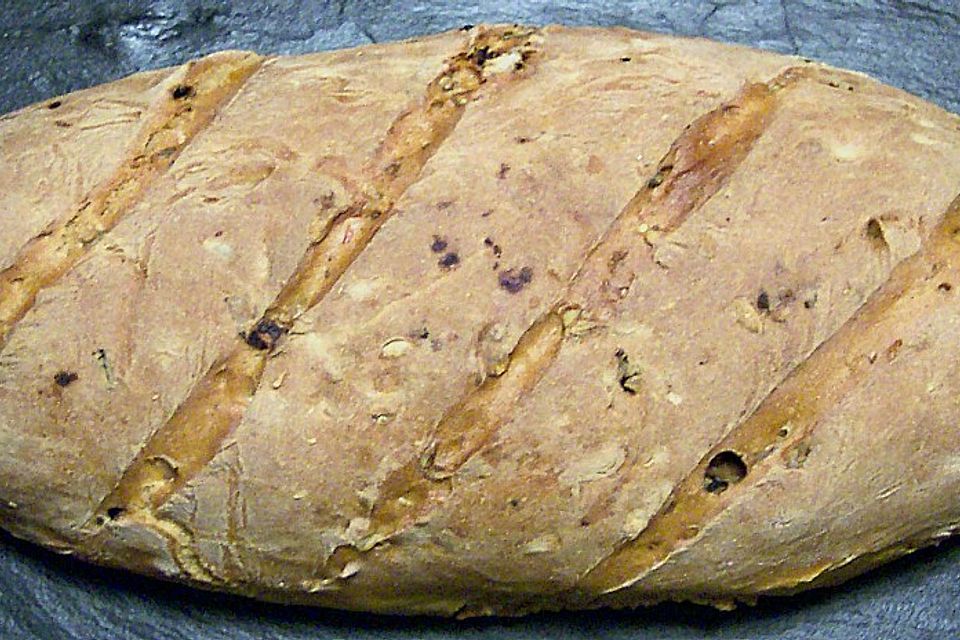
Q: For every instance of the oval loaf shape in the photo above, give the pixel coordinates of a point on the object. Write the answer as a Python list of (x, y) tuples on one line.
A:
[(499, 320)]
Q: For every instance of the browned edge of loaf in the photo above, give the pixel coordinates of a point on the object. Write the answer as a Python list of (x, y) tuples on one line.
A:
[(195, 432), (189, 105), (780, 426)]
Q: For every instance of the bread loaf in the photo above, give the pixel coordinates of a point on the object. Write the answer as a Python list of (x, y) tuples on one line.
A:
[(500, 320)]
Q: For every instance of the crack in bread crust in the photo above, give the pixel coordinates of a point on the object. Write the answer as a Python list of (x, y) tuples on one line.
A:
[(195, 432), (781, 422), (189, 105), (697, 165)]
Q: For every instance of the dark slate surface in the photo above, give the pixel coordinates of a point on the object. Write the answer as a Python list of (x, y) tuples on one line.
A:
[(52, 47)]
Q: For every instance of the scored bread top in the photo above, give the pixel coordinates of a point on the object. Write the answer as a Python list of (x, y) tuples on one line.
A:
[(493, 321)]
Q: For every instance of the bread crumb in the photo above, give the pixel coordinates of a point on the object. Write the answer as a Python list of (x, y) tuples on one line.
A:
[(316, 586), (276, 384), (543, 544), (651, 236), (502, 64), (361, 290), (593, 466), (747, 315), (636, 521), (847, 152), (383, 417), (395, 348), (499, 367), (218, 247), (357, 528), (920, 138), (349, 569), (576, 323), (570, 315)]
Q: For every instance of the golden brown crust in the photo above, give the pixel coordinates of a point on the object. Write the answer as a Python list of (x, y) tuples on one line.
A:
[(498, 321), (48, 152), (183, 110), (187, 442), (783, 424)]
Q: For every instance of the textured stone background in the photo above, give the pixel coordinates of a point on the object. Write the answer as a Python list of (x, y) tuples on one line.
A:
[(52, 47)]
